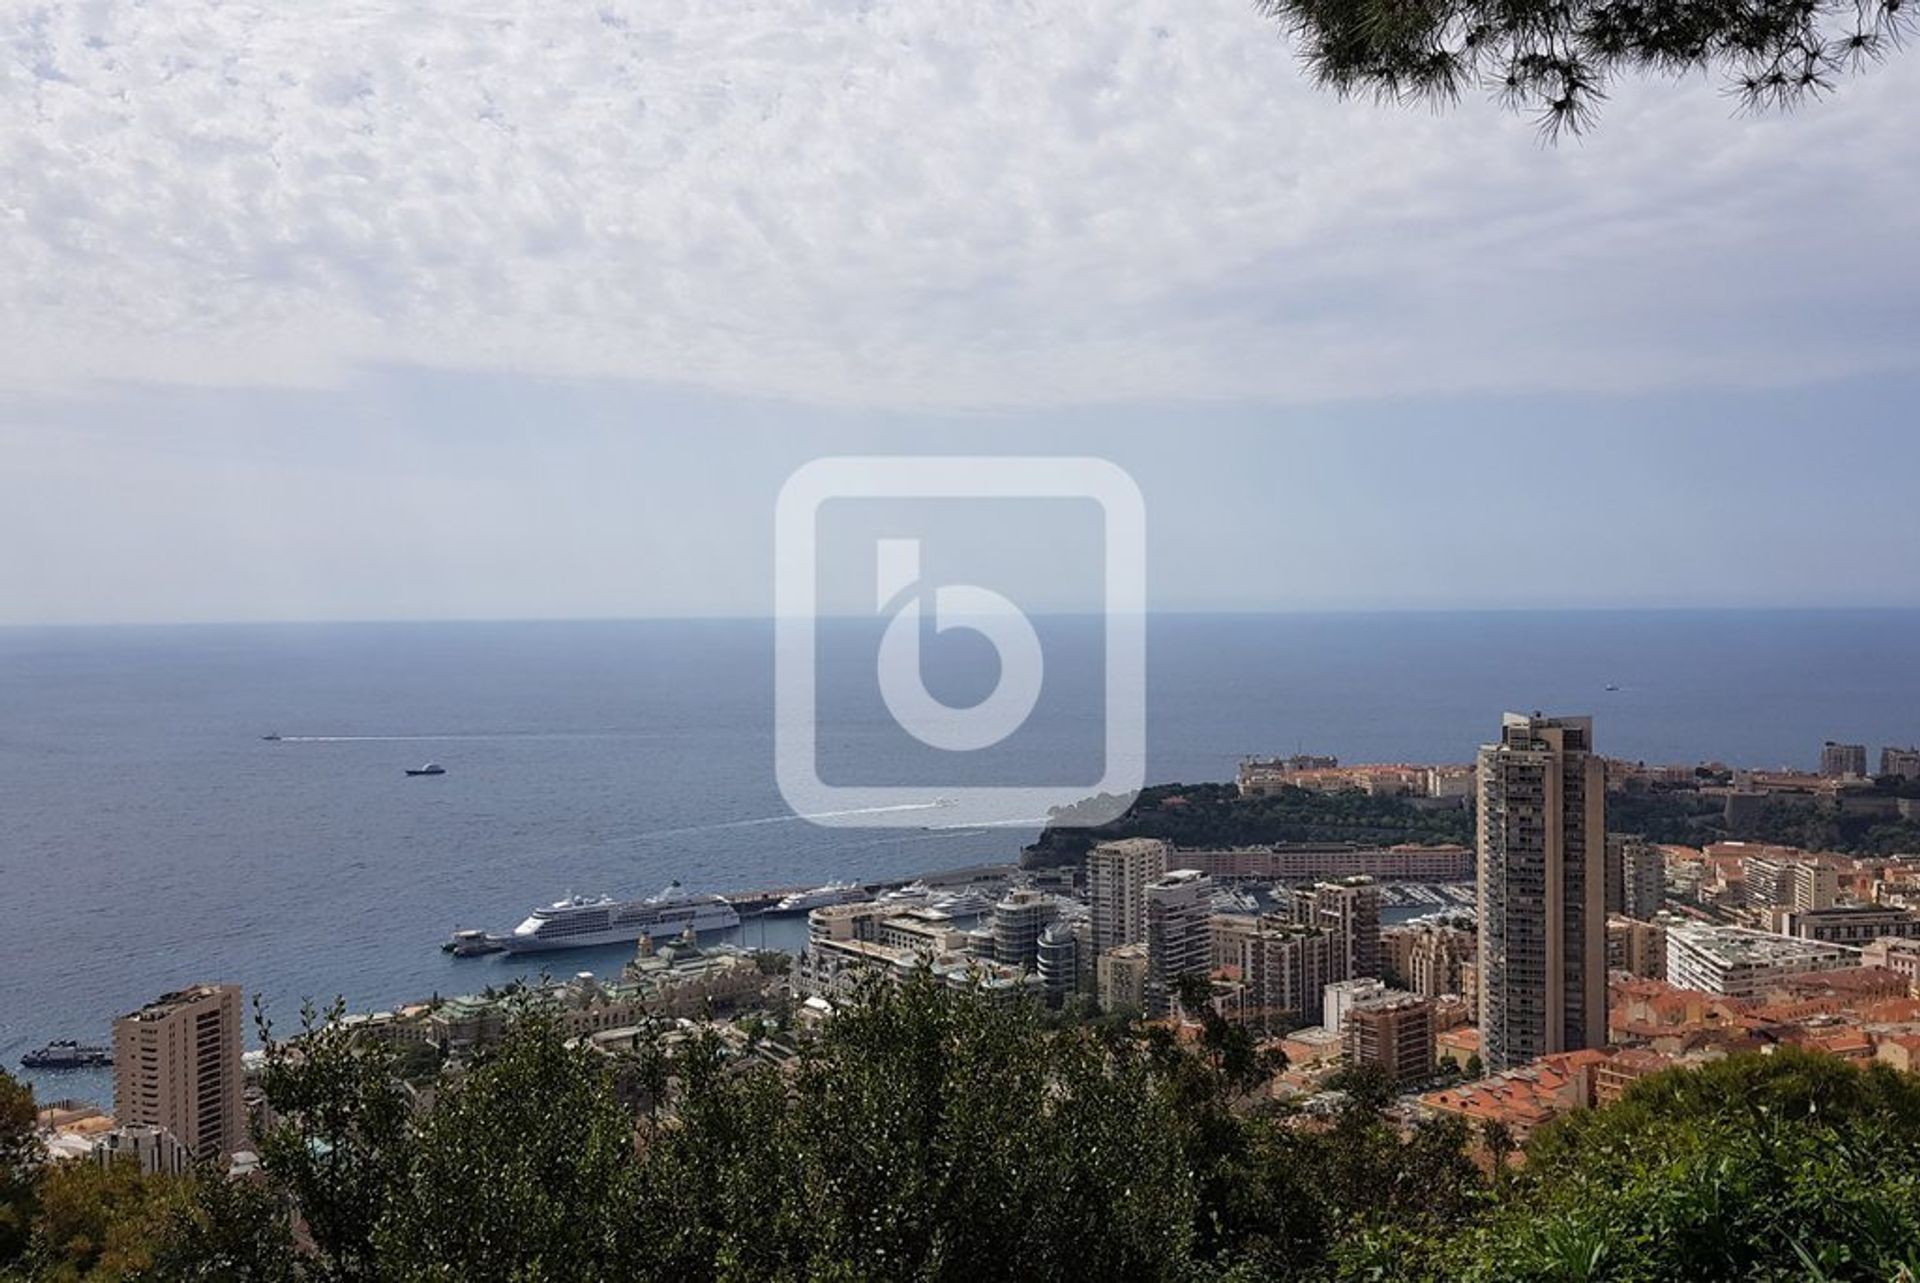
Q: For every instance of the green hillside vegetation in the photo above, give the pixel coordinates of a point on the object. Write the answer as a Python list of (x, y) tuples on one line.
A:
[(1215, 815), (1685, 817), (933, 1135)]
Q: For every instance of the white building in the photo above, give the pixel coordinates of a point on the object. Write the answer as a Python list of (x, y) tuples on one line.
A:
[(1179, 935), (1739, 962)]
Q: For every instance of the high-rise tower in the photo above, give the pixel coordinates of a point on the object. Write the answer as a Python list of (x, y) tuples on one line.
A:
[(1542, 874)]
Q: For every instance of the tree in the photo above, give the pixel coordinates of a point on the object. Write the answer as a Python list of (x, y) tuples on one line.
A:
[(226, 1231), (95, 1220), (340, 1142), (523, 1170), (19, 1150), (1558, 57)]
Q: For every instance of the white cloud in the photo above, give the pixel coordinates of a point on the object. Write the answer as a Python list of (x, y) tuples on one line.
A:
[(896, 202)]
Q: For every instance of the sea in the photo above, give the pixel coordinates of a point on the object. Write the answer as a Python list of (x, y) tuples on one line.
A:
[(151, 838)]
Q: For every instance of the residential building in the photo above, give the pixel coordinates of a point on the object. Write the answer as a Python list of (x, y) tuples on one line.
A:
[(1395, 1033), (1900, 761), (1018, 919), (1643, 878), (1843, 760), (1625, 1068), (1299, 861), (1348, 910), (176, 1065), (1526, 1097), (1815, 886), (1852, 924), (1637, 947), (154, 1149), (1117, 878), (1342, 996), (1179, 936), (1057, 959), (1426, 959), (1542, 881), (1739, 962), (1900, 955), (1283, 965), (1121, 978)]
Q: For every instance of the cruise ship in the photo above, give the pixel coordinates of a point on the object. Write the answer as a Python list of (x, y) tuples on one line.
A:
[(831, 893), (579, 921)]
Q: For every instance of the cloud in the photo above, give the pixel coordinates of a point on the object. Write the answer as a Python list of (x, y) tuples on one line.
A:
[(941, 203)]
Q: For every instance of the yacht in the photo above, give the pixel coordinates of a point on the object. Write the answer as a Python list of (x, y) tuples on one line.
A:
[(911, 893), (65, 1053), (579, 921), (831, 893), (962, 904)]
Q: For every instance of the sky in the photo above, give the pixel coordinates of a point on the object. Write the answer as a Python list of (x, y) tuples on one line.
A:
[(381, 310)]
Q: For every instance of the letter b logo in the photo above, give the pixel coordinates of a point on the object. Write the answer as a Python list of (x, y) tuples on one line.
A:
[(902, 683)]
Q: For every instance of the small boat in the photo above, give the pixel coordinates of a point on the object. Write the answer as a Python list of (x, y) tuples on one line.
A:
[(272, 737), (65, 1053), (1612, 687), (431, 768), (471, 944)]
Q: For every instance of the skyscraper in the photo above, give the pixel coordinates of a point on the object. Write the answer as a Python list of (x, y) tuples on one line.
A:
[(1117, 877), (176, 1064), (1179, 935), (1542, 853)]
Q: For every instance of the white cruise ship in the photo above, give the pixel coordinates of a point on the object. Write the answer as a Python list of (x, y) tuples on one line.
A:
[(579, 921), (831, 893)]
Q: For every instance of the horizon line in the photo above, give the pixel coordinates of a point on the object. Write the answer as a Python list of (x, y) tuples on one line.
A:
[(837, 616)]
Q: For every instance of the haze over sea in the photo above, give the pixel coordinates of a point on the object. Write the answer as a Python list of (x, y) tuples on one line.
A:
[(150, 838)]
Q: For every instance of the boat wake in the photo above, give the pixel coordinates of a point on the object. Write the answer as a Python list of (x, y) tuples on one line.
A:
[(791, 817), (442, 739)]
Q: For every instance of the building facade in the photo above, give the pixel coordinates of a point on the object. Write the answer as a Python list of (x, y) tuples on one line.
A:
[(1179, 936), (1283, 965), (1542, 881), (1117, 878), (1737, 962), (1394, 1033), (1121, 978), (176, 1065), (1900, 761), (1842, 760), (1348, 910), (1018, 920), (1636, 947), (1057, 958)]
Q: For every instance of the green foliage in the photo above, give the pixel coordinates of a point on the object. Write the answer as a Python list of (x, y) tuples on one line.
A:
[(19, 1150), (99, 1222), (343, 1136), (933, 1134), (1559, 56), (1685, 817), (1215, 815), (521, 1171), (1789, 1166), (223, 1231)]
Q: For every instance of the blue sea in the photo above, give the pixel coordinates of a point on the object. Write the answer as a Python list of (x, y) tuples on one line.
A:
[(149, 837)]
